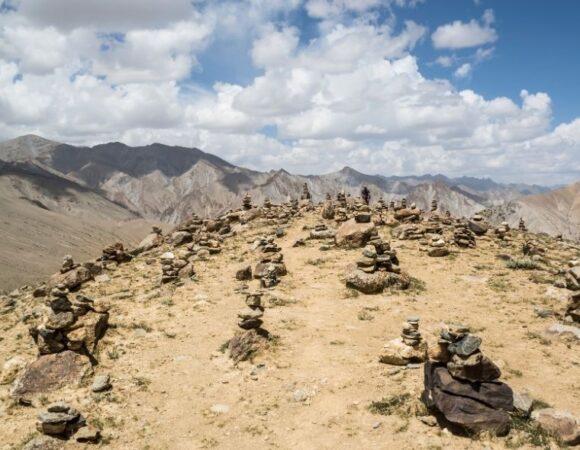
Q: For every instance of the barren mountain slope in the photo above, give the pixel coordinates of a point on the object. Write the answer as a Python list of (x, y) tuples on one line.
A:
[(555, 212), (173, 388), (45, 217), (169, 183)]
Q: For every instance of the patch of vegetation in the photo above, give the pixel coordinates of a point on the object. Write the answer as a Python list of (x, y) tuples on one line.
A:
[(532, 433), (350, 293), (363, 314), (523, 264), (541, 278), (315, 262), (141, 326), (499, 284), (141, 382), (483, 267), (541, 339), (416, 285), (222, 348), (390, 405)]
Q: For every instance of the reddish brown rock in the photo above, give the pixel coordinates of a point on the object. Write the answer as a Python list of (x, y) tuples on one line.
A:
[(50, 373)]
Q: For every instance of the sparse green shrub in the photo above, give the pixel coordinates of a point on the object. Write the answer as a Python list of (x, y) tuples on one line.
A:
[(523, 264)]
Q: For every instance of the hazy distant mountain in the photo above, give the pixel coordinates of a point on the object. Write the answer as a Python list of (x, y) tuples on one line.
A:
[(169, 183), (554, 212)]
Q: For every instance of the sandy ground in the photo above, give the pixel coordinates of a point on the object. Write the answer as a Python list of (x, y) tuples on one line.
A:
[(175, 389)]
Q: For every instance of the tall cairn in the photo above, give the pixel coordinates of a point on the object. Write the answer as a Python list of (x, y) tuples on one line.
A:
[(247, 202), (522, 225), (305, 192), (434, 205)]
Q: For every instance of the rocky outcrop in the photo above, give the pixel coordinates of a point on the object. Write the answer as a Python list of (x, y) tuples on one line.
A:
[(353, 234)]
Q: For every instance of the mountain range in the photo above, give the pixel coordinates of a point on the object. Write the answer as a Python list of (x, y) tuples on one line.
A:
[(57, 198)]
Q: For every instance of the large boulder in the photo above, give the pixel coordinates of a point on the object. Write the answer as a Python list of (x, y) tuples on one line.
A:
[(181, 238), (50, 373), (466, 406), (353, 234), (479, 227), (149, 242), (561, 424), (397, 353), (72, 279), (375, 283)]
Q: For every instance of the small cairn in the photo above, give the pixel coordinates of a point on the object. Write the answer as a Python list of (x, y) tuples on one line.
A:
[(462, 387), (305, 193), (502, 231), (434, 205), (392, 205), (365, 194), (251, 316), (251, 334), (115, 253), (267, 203), (409, 348), (321, 231), (247, 202), (60, 419), (68, 264), (377, 269), (271, 265), (463, 236), (522, 225), (438, 247), (403, 203), (77, 325), (173, 268), (382, 205), (341, 199), (328, 197), (362, 213)]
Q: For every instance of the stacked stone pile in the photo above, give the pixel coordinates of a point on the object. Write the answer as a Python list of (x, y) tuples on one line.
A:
[(462, 385), (173, 268), (434, 205), (271, 262), (522, 225), (60, 419), (463, 236), (267, 203), (410, 232), (438, 246), (247, 202), (321, 231), (406, 215), (75, 325), (377, 269), (305, 193), (502, 231), (409, 348), (115, 253), (251, 335), (251, 316), (382, 205), (68, 264), (477, 225)]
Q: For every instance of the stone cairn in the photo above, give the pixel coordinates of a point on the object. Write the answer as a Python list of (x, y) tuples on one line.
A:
[(173, 268), (462, 387), (251, 316), (68, 264), (409, 348), (271, 265), (434, 205), (438, 246), (377, 269), (115, 253), (403, 203), (60, 419), (392, 205), (572, 312), (247, 202), (502, 231), (522, 225), (328, 197), (305, 193), (362, 213), (382, 205), (245, 343), (77, 325), (340, 213), (463, 236), (267, 203)]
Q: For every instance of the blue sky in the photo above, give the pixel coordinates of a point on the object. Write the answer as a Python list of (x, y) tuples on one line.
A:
[(460, 87)]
